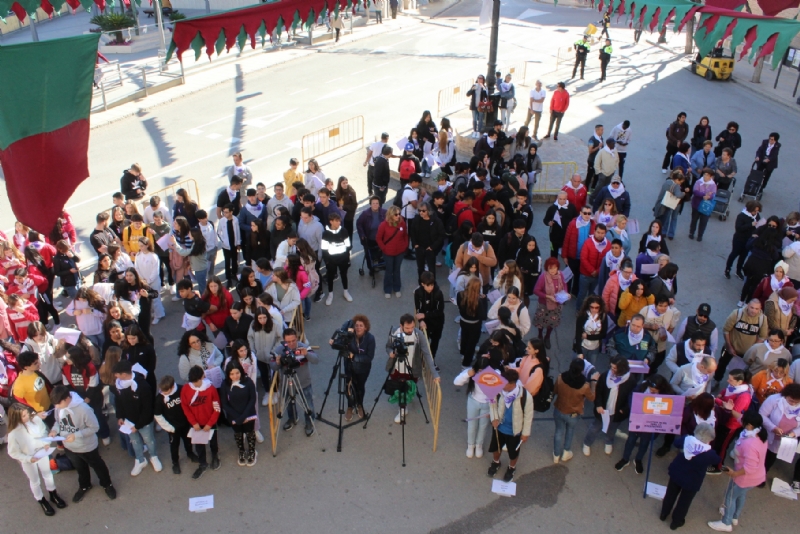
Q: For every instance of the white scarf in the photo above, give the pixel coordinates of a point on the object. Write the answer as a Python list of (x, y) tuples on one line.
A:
[(601, 245), (785, 307), (771, 350), (510, 396), (623, 284), (747, 434), (204, 386), (654, 310), (169, 393), (254, 209), (473, 251), (580, 223), (236, 384), (698, 378), (610, 151), (651, 253), (569, 184), (593, 324), (612, 261), (789, 411), (613, 383), (712, 419), (693, 447), (736, 390), (231, 193), (651, 237), (752, 216), (124, 384), (692, 356), (605, 218), (623, 234), (774, 283), (615, 193), (668, 283), (559, 206), (635, 339), (773, 379)]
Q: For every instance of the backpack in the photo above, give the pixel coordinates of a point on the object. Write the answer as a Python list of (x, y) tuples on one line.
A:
[(543, 399), (407, 168), (451, 226), (398, 199)]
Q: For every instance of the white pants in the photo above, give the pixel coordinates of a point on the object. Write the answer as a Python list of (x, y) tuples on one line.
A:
[(34, 471), (158, 307)]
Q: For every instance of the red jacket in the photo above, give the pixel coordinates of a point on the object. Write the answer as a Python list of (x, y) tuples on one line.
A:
[(204, 409), (47, 251), (465, 215), (19, 321), (569, 250), (223, 312), (576, 198), (392, 240), (559, 101), (35, 276), (591, 258)]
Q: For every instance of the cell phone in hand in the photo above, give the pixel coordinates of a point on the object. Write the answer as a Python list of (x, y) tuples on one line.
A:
[(725, 468)]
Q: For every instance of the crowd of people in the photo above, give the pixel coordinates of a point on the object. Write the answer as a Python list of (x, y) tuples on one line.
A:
[(65, 388)]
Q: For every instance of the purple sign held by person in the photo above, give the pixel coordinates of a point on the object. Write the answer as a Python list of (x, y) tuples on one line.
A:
[(655, 413)]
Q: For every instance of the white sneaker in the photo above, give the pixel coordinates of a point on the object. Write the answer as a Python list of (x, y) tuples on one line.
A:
[(387, 295), (175, 298), (587, 451), (735, 522), (719, 526), (454, 301), (470, 451), (740, 304), (609, 449), (137, 467), (347, 296), (457, 319), (275, 397), (438, 264), (663, 171), (259, 437), (157, 320), (265, 400), (106, 441), (398, 417), (398, 294), (329, 299), (556, 459), (156, 464), (566, 456), (478, 451), (172, 290)]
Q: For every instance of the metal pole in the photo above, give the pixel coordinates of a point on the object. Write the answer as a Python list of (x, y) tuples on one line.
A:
[(208, 6), (34, 33), (780, 67), (144, 80), (135, 16), (794, 94), (492, 65), (689, 37), (160, 23), (649, 461), (103, 92), (183, 74)]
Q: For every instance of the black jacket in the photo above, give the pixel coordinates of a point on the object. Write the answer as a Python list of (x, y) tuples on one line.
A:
[(425, 234), (643, 243), (623, 407), (761, 153), (237, 329), (380, 172), (728, 140), (579, 324), (483, 96), (223, 200), (432, 305), (510, 245), (427, 131), (744, 228), (559, 231), (129, 184), (144, 355), (135, 406), (172, 410), (61, 268), (239, 403)]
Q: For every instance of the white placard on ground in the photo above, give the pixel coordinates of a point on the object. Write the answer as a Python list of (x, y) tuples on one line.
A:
[(201, 504), (783, 489), (656, 491), (506, 489)]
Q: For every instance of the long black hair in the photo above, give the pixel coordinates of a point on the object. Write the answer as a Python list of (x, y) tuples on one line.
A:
[(493, 359), (234, 364), (755, 420)]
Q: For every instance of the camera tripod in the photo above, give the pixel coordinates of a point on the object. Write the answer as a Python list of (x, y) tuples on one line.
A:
[(291, 393), (402, 400), (340, 370)]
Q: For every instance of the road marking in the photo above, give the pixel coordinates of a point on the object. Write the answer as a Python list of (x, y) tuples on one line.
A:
[(392, 61), (194, 132), (298, 92), (229, 116), (259, 122), (214, 136), (232, 140), (530, 13)]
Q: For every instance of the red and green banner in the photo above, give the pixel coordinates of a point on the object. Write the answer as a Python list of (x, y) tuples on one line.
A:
[(21, 8), (654, 14), (220, 31), (45, 100)]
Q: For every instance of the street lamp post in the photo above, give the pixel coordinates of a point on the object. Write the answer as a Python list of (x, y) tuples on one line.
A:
[(491, 80)]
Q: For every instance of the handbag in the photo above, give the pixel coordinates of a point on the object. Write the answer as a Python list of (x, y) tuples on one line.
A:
[(670, 201), (706, 207), (485, 106)]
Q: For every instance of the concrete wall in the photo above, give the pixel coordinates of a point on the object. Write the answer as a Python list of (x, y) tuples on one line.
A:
[(12, 23)]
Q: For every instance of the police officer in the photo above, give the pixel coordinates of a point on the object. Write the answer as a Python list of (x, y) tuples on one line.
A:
[(606, 24), (605, 57), (581, 50)]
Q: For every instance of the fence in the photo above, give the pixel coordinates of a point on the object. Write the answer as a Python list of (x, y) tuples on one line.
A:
[(167, 194), (565, 57), (273, 419), (118, 86), (433, 393), (454, 97), (553, 177), (330, 138)]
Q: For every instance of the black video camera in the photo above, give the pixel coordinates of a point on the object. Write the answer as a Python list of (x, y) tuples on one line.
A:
[(343, 337), (399, 346), (288, 358)]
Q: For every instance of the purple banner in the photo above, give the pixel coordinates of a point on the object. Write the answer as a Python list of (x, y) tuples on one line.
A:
[(658, 414)]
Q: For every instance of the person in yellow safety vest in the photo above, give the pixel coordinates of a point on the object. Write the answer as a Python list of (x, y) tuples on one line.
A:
[(606, 24), (605, 57), (581, 51)]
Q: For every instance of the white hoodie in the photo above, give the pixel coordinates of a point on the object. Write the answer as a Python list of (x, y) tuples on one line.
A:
[(79, 420), (25, 440)]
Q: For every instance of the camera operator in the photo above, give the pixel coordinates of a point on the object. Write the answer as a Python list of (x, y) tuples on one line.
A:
[(361, 351), (416, 349), (292, 349)]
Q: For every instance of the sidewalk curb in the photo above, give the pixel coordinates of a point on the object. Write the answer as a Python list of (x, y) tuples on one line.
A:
[(749, 86), (311, 49)]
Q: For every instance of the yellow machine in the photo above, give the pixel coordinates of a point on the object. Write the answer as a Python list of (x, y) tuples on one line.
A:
[(715, 66)]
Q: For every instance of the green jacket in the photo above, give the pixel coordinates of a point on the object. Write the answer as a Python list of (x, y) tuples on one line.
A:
[(581, 48)]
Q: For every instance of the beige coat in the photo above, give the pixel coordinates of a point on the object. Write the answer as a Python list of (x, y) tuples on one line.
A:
[(487, 259), (606, 163), (522, 421)]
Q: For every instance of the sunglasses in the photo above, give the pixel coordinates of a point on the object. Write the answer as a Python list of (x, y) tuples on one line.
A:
[(586, 213)]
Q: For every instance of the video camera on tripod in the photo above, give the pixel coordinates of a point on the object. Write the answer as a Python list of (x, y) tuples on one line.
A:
[(343, 337), (288, 359)]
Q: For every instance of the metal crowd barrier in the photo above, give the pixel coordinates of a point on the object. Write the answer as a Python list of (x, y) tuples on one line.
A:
[(330, 138), (433, 394)]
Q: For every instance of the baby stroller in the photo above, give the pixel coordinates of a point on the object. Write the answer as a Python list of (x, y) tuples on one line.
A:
[(722, 201), (754, 184), (373, 259)]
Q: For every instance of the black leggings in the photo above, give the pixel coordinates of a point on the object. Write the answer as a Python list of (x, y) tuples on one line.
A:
[(331, 274), (265, 371), (163, 264), (175, 439), (470, 335), (357, 385)]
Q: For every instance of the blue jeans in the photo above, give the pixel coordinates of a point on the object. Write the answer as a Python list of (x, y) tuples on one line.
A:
[(590, 355), (98, 340), (476, 428), (425, 168), (291, 409), (307, 306), (669, 222), (596, 428), (391, 278), (144, 436), (587, 286), (565, 430), (201, 280), (71, 291), (644, 443), (477, 120), (734, 502), (211, 256)]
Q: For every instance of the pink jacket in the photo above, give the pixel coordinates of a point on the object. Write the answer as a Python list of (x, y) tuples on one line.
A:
[(302, 282), (750, 455), (611, 291)]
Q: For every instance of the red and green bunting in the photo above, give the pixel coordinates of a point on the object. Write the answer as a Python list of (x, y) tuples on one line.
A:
[(220, 31), (654, 14), (46, 96), (21, 8)]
